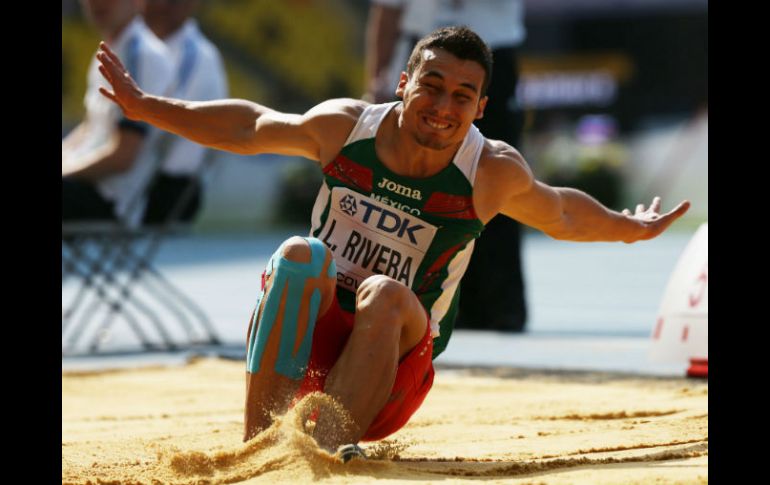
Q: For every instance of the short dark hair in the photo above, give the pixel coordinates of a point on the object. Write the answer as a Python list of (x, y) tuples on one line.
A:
[(462, 43)]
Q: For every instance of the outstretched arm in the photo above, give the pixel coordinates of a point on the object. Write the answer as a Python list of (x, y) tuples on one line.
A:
[(233, 125), (570, 214), (381, 38), (115, 157)]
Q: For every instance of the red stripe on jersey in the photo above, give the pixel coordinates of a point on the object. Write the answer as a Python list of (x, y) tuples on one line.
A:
[(432, 273), (350, 173), (450, 205)]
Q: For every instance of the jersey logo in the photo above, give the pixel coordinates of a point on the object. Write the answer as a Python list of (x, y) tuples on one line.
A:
[(392, 186), (348, 205), (390, 221)]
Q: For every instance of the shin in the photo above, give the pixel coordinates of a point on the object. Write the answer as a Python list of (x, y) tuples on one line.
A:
[(299, 286)]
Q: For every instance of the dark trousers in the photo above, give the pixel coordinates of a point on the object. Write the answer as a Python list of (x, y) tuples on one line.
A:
[(165, 199), (492, 290), (80, 201)]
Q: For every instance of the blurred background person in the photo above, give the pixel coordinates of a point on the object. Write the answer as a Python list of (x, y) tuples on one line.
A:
[(492, 291), (107, 160), (200, 76)]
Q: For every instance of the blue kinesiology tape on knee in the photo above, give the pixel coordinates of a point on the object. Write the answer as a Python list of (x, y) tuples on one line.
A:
[(251, 364), (289, 277)]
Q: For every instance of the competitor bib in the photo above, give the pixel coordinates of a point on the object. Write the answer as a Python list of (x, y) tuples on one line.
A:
[(368, 237)]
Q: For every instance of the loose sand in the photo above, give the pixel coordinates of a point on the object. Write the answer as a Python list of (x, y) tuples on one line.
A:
[(183, 425)]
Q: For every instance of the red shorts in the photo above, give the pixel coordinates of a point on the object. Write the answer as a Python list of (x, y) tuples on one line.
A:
[(414, 376)]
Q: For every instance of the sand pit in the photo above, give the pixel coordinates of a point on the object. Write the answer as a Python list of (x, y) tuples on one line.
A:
[(183, 425)]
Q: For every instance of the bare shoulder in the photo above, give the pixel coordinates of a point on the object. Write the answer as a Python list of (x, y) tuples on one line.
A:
[(502, 173), (331, 121), (343, 109), (502, 165)]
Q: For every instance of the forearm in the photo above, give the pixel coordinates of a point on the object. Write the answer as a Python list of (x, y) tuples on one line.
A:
[(381, 36), (96, 166), (228, 124), (116, 156), (586, 219)]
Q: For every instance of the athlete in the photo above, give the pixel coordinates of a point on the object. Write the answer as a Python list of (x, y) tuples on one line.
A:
[(360, 308)]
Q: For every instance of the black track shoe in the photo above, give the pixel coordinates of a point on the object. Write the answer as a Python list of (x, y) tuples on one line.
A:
[(348, 452)]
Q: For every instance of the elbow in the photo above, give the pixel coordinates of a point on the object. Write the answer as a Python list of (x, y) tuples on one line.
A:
[(238, 148), (563, 231), (553, 235), (243, 142), (558, 230), (558, 235)]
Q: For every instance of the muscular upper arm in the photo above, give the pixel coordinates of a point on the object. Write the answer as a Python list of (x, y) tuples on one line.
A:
[(513, 190), (317, 134)]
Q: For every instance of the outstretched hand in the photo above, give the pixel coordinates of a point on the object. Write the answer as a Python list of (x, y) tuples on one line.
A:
[(125, 92), (652, 221)]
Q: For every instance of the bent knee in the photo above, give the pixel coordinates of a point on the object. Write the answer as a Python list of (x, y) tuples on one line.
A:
[(296, 249), (388, 304), (307, 258), (383, 292), (299, 250)]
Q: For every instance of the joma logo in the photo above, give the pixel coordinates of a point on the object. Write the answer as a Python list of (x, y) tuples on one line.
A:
[(399, 189)]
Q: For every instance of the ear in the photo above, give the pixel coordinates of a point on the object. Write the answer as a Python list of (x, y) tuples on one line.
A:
[(403, 80), (482, 106)]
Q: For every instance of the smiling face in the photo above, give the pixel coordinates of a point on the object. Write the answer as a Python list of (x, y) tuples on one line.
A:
[(442, 98)]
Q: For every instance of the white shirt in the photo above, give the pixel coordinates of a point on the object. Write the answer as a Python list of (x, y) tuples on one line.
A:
[(499, 23), (200, 76), (147, 60)]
